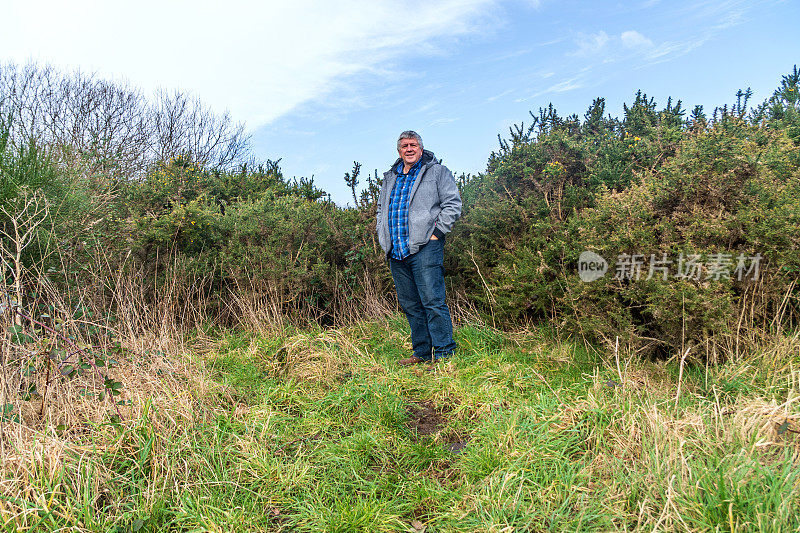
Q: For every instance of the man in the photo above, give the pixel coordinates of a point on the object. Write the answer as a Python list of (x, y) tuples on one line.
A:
[(417, 206)]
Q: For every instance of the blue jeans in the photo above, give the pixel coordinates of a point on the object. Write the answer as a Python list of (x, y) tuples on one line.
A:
[(419, 281)]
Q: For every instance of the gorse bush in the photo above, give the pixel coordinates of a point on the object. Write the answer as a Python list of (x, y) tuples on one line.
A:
[(253, 232), (651, 189), (727, 196)]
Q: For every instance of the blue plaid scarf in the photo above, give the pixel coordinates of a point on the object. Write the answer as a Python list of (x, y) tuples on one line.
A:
[(398, 209)]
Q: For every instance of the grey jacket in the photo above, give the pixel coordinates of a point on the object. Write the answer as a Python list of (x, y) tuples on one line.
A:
[(434, 204)]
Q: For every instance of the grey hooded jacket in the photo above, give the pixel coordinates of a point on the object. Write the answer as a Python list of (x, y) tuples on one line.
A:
[(434, 204)]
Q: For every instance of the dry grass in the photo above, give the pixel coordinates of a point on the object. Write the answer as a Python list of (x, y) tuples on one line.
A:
[(166, 387)]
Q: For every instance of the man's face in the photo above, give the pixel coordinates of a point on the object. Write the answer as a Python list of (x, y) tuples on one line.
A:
[(410, 151)]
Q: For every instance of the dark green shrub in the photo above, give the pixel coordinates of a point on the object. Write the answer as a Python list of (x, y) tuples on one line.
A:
[(651, 184)]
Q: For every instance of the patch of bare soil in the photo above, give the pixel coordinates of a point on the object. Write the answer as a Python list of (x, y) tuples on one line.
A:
[(425, 419), (457, 446)]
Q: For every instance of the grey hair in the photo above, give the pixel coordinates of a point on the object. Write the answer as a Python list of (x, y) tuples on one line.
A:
[(408, 134)]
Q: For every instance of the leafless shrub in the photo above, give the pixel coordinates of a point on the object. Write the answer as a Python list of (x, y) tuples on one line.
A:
[(113, 124)]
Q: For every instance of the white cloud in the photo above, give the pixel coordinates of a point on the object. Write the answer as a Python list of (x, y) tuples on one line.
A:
[(441, 121), (634, 39), (560, 87), (712, 18), (499, 95), (564, 86), (610, 46), (260, 60), (591, 44), (670, 50)]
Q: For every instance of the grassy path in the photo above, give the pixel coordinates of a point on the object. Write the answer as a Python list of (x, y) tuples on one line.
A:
[(322, 431)]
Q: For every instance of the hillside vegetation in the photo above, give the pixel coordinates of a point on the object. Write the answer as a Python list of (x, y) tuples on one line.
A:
[(191, 341), (656, 182)]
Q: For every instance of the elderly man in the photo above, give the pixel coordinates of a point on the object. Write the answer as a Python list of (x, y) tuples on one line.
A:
[(417, 206)]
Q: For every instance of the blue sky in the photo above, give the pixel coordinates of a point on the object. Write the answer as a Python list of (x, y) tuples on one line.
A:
[(323, 84)]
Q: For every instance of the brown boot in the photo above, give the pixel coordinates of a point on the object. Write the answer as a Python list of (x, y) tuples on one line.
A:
[(413, 360)]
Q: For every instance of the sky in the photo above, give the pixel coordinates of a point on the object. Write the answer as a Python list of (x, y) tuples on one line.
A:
[(320, 85)]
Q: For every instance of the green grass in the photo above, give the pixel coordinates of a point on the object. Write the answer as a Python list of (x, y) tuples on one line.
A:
[(315, 431)]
